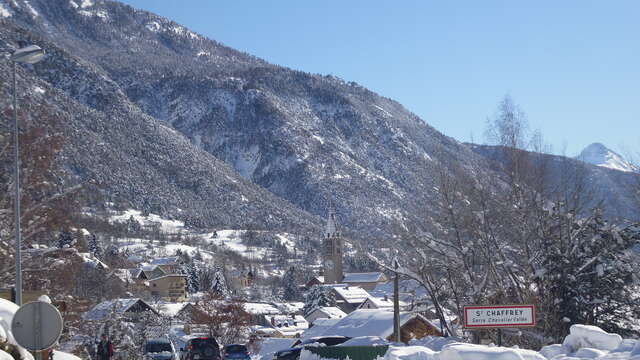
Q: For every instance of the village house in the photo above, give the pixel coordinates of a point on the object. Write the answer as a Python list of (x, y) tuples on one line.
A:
[(152, 271), (325, 312), (385, 302), (239, 279), (370, 322), (317, 280), (133, 281), (367, 281), (171, 288), (130, 308), (349, 298), (257, 311), (170, 265)]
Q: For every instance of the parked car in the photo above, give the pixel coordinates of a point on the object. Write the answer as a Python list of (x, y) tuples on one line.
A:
[(235, 351), (159, 349), (293, 353), (201, 348)]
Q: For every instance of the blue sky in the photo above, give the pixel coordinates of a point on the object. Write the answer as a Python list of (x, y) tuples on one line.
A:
[(573, 66)]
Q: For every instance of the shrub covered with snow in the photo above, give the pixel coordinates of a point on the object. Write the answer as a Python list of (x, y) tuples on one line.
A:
[(587, 336)]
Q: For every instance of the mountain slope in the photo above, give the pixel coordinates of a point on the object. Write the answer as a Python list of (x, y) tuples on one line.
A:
[(132, 156), (309, 139), (616, 191), (599, 155)]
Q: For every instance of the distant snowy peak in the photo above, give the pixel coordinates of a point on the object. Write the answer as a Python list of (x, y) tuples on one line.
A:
[(599, 155)]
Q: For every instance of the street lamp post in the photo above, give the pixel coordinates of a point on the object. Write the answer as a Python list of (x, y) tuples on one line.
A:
[(26, 55)]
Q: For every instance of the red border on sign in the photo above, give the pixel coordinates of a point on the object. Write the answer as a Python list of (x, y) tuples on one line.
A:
[(471, 307)]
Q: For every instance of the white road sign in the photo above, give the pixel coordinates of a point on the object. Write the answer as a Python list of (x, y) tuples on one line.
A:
[(495, 316)]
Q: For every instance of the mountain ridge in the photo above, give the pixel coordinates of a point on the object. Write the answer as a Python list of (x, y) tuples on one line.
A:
[(598, 154)]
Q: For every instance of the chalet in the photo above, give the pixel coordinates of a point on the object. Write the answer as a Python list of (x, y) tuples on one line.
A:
[(349, 298), (325, 313), (152, 271), (385, 302), (257, 311), (129, 308), (240, 279), (317, 329), (318, 280), (369, 322), (169, 287), (133, 280), (367, 281), (170, 265)]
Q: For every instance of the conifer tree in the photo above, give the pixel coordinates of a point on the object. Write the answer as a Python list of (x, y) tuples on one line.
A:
[(219, 284), (290, 284), (94, 247), (318, 296)]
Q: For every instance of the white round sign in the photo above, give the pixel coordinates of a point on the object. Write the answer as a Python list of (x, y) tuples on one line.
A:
[(37, 325)]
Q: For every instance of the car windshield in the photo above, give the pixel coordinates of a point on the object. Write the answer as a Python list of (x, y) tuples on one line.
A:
[(201, 343), (157, 347), (235, 348)]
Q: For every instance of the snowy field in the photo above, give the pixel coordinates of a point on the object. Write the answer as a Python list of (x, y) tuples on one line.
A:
[(226, 239)]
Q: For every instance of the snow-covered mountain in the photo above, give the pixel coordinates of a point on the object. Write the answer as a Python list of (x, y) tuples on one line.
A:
[(599, 155), (308, 139), (616, 191)]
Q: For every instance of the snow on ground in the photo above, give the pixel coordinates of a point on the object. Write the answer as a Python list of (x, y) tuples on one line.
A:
[(7, 310), (232, 240), (584, 342), (57, 355), (166, 226), (268, 346)]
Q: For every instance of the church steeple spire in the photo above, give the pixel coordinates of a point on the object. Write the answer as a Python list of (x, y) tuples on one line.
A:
[(331, 230), (332, 250)]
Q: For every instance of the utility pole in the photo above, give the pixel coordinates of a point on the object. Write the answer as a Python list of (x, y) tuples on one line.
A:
[(396, 303)]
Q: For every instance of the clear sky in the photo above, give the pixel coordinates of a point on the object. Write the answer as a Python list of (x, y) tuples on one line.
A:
[(572, 65)]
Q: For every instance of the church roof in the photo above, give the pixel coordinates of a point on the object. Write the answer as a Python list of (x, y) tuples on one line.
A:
[(364, 277)]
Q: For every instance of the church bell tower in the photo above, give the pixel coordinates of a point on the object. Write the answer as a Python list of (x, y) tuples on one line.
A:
[(332, 251)]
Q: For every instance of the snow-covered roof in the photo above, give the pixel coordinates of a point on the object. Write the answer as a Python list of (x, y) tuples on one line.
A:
[(165, 260), (169, 275), (289, 307), (318, 328), (119, 306), (92, 261), (148, 267), (170, 309), (367, 322), (126, 275), (331, 312), (351, 294), (363, 277), (260, 309), (410, 291), (381, 303)]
